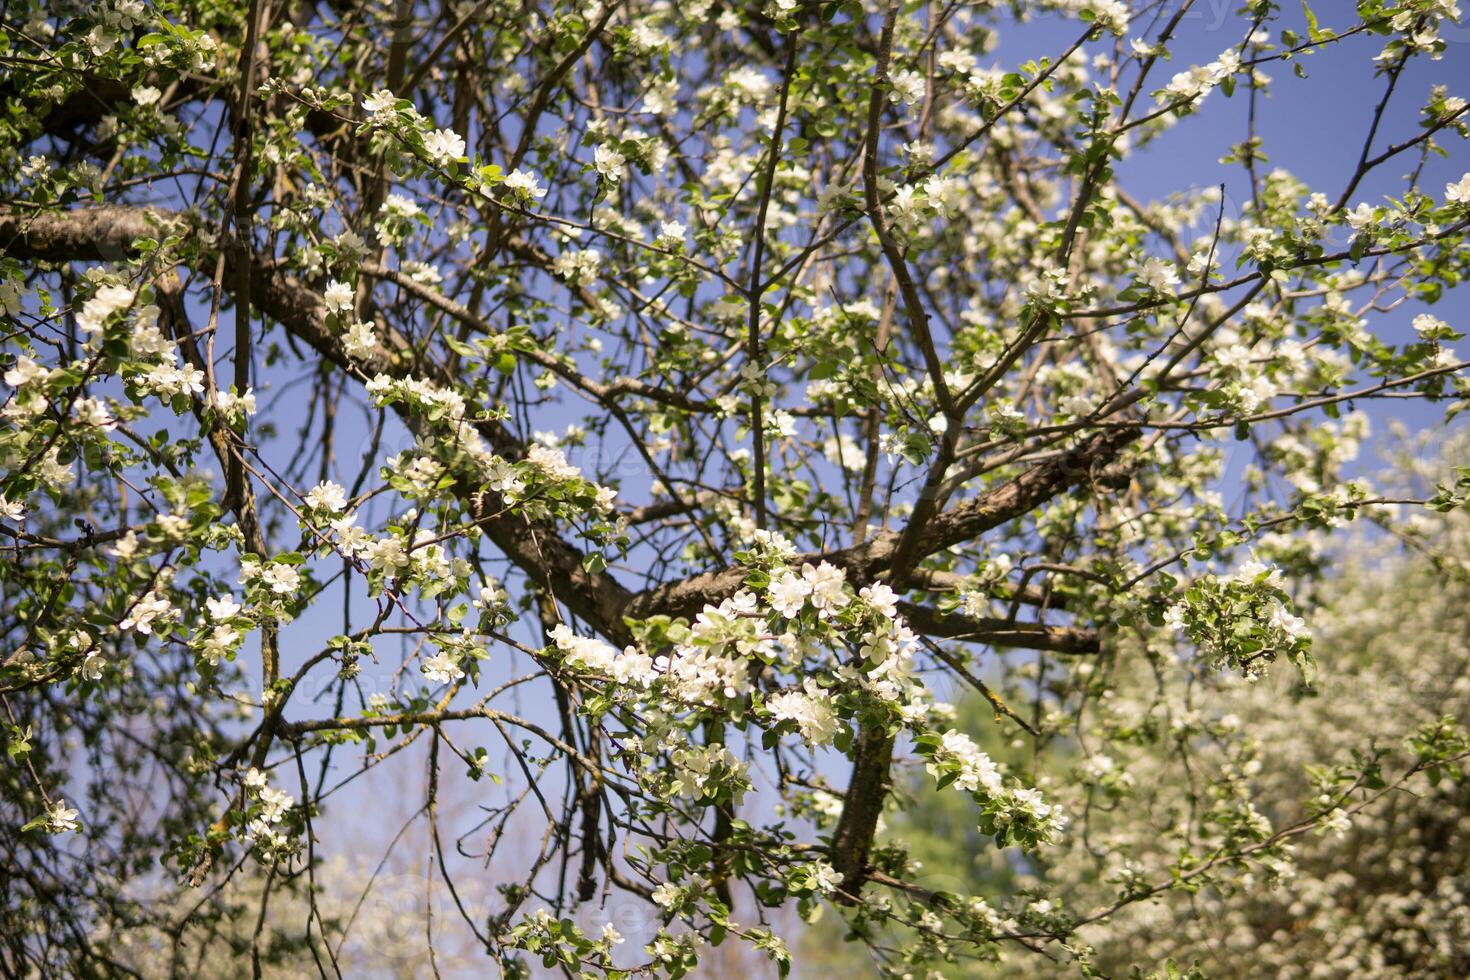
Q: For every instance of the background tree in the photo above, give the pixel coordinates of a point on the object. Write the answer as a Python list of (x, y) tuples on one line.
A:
[(632, 422), (1375, 891)]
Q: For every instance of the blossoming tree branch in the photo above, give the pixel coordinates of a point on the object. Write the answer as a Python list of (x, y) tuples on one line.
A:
[(664, 413)]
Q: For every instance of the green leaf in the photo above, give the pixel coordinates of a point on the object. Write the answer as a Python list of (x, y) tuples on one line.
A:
[(1313, 31), (1305, 664)]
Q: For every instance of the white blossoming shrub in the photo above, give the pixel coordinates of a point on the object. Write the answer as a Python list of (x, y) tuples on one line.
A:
[(1317, 833), (596, 447)]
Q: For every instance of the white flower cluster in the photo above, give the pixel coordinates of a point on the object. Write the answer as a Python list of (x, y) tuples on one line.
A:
[(115, 21), (1194, 83), (698, 767), (234, 407), (158, 371), (713, 661), (219, 637), (442, 147), (28, 378), (937, 195), (93, 661), (810, 707), (263, 829), (889, 647), (1256, 572), (60, 818), (153, 609), (525, 184), (553, 462), (1213, 612), (822, 585), (609, 163), (1458, 192), (631, 668), (1110, 14), (273, 584), (168, 381), (96, 311), (977, 770), (442, 668), (956, 757), (578, 266)]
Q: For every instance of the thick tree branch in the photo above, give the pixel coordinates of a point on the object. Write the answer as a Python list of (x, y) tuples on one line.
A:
[(1000, 632), (109, 232)]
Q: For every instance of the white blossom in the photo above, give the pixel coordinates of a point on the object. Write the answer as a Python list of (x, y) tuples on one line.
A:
[(610, 163), (524, 182), (441, 668), (327, 496), (147, 611), (339, 297), (444, 146), (60, 818), (1458, 192)]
